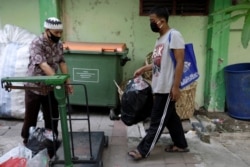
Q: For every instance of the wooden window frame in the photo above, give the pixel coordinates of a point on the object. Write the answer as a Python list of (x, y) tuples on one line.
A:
[(172, 6)]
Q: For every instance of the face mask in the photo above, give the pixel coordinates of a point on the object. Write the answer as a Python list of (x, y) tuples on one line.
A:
[(54, 38), (154, 27)]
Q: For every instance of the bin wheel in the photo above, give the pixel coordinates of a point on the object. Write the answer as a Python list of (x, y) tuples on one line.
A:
[(112, 115), (106, 141), (100, 164)]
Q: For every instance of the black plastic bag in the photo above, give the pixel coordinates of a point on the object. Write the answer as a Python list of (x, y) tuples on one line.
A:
[(41, 138), (136, 101)]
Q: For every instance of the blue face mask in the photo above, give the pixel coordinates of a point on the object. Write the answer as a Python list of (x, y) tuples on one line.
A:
[(54, 38)]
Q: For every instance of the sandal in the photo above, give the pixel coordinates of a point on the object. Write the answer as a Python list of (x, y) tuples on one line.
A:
[(135, 155), (172, 148)]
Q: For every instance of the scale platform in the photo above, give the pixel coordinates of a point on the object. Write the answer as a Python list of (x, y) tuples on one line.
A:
[(78, 149), (82, 156)]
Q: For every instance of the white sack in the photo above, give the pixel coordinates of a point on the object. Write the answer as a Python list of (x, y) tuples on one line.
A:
[(14, 58)]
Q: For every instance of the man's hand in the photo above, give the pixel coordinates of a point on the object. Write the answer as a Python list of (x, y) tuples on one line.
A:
[(175, 93), (143, 69), (69, 89), (47, 69), (138, 72)]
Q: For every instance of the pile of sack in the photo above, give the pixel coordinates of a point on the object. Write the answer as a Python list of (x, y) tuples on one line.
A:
[(14, 58)]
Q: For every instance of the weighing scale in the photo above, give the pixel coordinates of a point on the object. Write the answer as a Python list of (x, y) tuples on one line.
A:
[(79, 149)]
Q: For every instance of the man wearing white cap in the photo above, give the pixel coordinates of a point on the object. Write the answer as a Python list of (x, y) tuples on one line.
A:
[(46, 57)]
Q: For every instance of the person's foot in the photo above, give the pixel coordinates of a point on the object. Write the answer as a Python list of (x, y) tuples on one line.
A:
[(172, 148), (135, 154)]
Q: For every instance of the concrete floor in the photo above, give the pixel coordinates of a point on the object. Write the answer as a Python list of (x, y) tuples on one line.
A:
[(224, 150)]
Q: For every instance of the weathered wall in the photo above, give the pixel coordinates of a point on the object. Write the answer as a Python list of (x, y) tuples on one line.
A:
[(119, 21), (22, 13), (236, 53)]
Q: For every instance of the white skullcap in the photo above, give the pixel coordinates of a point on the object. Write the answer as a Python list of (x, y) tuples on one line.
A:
[(53, 23)]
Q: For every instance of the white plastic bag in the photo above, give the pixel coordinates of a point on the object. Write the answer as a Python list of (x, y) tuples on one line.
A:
[(19, 151), (138, 83), (41, 159)]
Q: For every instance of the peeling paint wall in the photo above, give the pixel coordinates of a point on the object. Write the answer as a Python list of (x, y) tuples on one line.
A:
[(236, 53), (105, 21), (22, 13)]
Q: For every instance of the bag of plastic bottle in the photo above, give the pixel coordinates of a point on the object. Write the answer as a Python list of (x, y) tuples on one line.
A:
[(136, 101), (41, 138)]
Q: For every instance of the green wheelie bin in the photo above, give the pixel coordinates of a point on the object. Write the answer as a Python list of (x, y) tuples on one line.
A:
[(97, 65)]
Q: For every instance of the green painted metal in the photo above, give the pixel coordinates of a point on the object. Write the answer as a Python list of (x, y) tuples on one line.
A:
[(217, 57), (57, 81), (97, 70), (48, 8), (59, 91), (48, 80)]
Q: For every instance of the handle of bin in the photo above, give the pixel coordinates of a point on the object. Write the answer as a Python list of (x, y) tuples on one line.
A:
[(66, 48), (109, 50)]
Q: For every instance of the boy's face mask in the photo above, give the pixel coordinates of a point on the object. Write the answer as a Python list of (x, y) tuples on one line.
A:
[(154, 26)]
